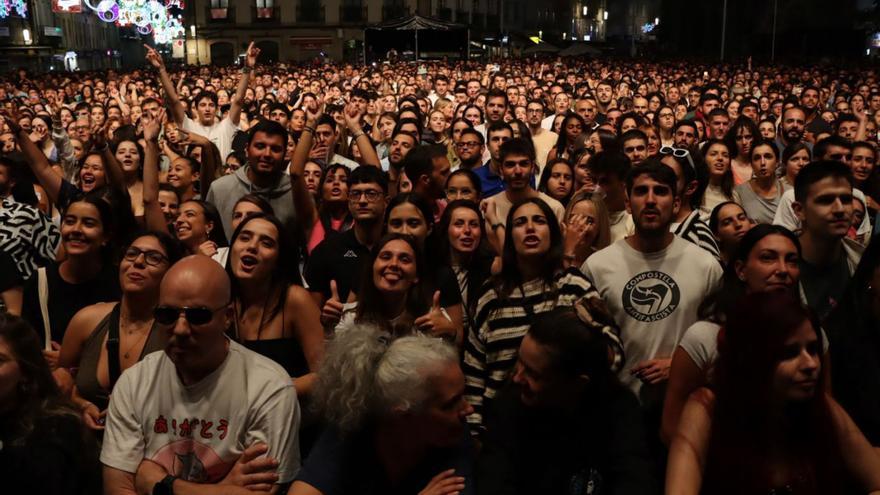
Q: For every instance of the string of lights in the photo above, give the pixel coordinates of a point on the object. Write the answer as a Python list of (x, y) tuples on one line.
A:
[(148, 16)]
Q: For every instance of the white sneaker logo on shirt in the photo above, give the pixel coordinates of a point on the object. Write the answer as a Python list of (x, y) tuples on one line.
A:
[(350, 254)]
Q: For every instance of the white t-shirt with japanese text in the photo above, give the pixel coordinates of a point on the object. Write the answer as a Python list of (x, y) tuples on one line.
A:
[(198, 432)]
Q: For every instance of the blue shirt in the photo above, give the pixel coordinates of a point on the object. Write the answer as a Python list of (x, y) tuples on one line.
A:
[(491, 183)]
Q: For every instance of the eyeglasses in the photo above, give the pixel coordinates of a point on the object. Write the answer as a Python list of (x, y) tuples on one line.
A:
[(370, 194), (678, 153), (167, 315), (469, 144), (151, 256)]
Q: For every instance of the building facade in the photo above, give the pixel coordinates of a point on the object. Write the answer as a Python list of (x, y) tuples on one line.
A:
[(218, 31), (47, 38)]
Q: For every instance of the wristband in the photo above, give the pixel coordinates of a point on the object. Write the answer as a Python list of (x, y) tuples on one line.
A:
[(310, 129), (246, 70), (356, 136), (166, 486), (496, 226)]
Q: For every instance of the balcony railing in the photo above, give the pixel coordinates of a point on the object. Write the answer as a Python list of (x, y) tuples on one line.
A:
[(445, 14), (310, 13), (394, 12), (220, 16), (265, 14), (352, 14)]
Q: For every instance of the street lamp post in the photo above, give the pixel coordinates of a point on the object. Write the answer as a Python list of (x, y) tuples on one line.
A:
[(723, 28)]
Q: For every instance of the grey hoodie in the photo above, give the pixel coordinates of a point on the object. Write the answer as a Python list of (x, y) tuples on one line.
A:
[(226, 190)]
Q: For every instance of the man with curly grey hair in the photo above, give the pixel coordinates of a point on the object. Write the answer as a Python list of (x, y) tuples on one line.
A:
[(396, 414)]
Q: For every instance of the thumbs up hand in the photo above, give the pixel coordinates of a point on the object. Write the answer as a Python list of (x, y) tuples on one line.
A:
[(435, 321), (332, 311)]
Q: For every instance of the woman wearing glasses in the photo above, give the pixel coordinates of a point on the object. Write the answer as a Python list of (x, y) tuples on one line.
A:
[(126, 328), (664, 120), (761, 194)]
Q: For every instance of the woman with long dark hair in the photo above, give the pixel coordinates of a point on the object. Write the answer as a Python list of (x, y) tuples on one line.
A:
[(572, 130), (394, 294), (729, 222), (274, 314), (533, 280), (767, 425), (760, 195), (741, 139), (87, 275), (45, 446), (200, 229), (765, 261), (462, 245), (795, 156), (557, 180), (716, 156), (129, 323)]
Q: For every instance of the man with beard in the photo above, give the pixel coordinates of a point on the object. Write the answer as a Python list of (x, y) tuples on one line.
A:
[(604, 95), (263, 175), (207, 415), (564, 415), (517, 159), (823, 203), (427, 167), (791, 129), (652, 281), (815, 124), (218, 132), (470, 148), (542, 139), (489, 174), (402, 142)]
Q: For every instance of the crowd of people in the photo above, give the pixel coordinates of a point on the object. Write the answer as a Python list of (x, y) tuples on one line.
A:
[(554, 276)]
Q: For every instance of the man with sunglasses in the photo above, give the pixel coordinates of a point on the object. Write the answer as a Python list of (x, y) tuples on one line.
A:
[(196, 417)]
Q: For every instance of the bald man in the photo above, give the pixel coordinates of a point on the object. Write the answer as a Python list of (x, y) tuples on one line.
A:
[(205, 416)]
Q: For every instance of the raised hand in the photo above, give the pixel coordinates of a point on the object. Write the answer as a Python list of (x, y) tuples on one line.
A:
[(352, 117), (332, 311), (434, 321), (252, 53), (152, 125), (153, 57)]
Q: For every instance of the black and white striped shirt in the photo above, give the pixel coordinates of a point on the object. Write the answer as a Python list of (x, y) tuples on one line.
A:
[(492, 348), (28, 236), (696, 231)]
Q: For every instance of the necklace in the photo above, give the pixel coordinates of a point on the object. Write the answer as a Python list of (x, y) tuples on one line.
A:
[(143, 335)]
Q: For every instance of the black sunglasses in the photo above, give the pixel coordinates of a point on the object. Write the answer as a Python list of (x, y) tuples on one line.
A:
[(167, 315)]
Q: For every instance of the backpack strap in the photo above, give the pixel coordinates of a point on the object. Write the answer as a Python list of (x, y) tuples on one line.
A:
[(115, 367), (43, 294)]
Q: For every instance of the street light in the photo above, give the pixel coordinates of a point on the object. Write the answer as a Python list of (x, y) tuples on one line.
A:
[(605, 15), (26, 34), (192, 32)]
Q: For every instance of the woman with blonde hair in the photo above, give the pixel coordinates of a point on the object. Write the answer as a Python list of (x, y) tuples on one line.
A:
[(586, 229)]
